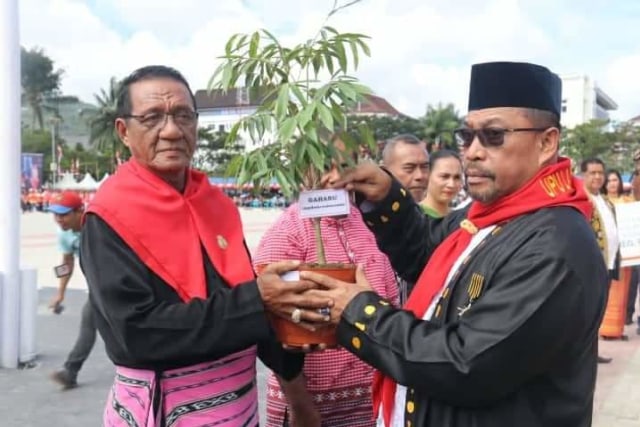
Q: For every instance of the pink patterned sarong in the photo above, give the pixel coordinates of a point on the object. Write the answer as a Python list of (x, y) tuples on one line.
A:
[(218, 393)]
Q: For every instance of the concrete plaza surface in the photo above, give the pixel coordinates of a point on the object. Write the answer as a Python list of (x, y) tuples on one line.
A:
[(28, 398)]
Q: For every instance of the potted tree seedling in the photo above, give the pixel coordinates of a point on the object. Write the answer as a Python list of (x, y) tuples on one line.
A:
[(306, 93)]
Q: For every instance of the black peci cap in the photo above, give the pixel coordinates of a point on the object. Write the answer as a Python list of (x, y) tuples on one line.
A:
[(514, 84)]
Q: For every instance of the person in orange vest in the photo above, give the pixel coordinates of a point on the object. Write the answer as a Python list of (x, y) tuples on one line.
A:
[(32, 199), (24, 201), (39, 200)]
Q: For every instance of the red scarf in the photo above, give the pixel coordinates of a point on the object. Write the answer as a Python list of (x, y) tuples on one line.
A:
[(553, 185), (167, 229)]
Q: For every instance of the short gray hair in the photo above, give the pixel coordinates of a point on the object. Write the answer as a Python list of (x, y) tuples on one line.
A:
[(390, 145)]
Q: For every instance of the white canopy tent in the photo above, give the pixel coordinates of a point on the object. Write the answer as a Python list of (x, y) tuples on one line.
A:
[(87, 183), (67, 183)]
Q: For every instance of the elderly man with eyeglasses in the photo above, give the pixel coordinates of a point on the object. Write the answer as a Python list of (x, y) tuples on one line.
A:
[(501, 328), (174, 294)]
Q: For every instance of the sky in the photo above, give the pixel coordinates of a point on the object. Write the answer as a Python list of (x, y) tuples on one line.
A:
[(421, 50)]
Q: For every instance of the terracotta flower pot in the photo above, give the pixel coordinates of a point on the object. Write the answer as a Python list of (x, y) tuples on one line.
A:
[(293, 335)]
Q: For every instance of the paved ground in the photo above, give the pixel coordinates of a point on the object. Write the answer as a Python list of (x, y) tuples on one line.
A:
[(29, 399)]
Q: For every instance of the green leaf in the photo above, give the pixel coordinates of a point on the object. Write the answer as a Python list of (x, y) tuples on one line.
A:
[(342, 56), (287, 128), (330, 29), (277, 47), (302, 99), (241, 42), (364, 47), (328, 60), (348, 90), (253, 45), (312, 134), (317, 62), (317, 158), (354, 52), (338, 115), (250, 78), (325, 116), (285, 184), (232, 137), (360, 89), (227, 75), (229, 46), (306, 114), (366, 136), (244, 172), (282, 103)]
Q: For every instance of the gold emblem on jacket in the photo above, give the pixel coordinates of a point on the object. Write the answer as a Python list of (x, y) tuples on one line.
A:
[(474, 290), (557, 183)]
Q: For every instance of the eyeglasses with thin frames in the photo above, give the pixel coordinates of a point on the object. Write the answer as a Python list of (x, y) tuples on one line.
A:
[(488, 137), (155, 120)]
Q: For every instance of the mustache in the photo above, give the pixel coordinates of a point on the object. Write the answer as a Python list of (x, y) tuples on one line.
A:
[(478, 171)]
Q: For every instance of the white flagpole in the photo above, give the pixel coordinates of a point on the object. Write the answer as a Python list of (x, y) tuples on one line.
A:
[(9, 183)]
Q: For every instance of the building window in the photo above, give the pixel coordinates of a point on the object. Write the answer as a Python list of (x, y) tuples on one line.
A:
[(221, 128)]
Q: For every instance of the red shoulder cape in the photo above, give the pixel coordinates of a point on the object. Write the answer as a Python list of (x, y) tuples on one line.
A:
[(166, 228)]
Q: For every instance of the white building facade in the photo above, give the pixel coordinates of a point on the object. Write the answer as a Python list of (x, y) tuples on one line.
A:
[(583, 101), (220, 111)]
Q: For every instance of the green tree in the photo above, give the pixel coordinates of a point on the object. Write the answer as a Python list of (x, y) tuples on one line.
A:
[(304, 111), (439, 123), (92, 161), (39, 80), (626, 140), (386, 127), (587, 140), (214, 151), (103, 135)]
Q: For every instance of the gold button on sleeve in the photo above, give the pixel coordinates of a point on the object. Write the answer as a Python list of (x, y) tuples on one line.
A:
[(411, 407), (355, 342), (369, 310)]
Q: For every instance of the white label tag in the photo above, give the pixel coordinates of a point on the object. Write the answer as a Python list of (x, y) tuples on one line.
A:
[(321, 203), (291, 276)]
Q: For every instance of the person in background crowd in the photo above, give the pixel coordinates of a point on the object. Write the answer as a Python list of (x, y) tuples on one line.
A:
[(613, 188), (67, 208), (445, 183), (604, 219), (337, 390), (635, 270), (406, 157)]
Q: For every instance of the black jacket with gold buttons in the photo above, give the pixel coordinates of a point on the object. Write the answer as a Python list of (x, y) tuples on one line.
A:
[(514, 339)]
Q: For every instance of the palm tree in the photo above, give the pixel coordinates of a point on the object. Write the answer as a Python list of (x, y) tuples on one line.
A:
[(38, 80), (101, 120), (440, 122)]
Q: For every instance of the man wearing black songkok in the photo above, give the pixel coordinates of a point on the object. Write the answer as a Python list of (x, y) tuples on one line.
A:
[(501, 327)]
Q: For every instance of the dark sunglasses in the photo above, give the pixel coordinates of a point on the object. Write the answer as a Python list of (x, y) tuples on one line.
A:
[(488, 137)]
